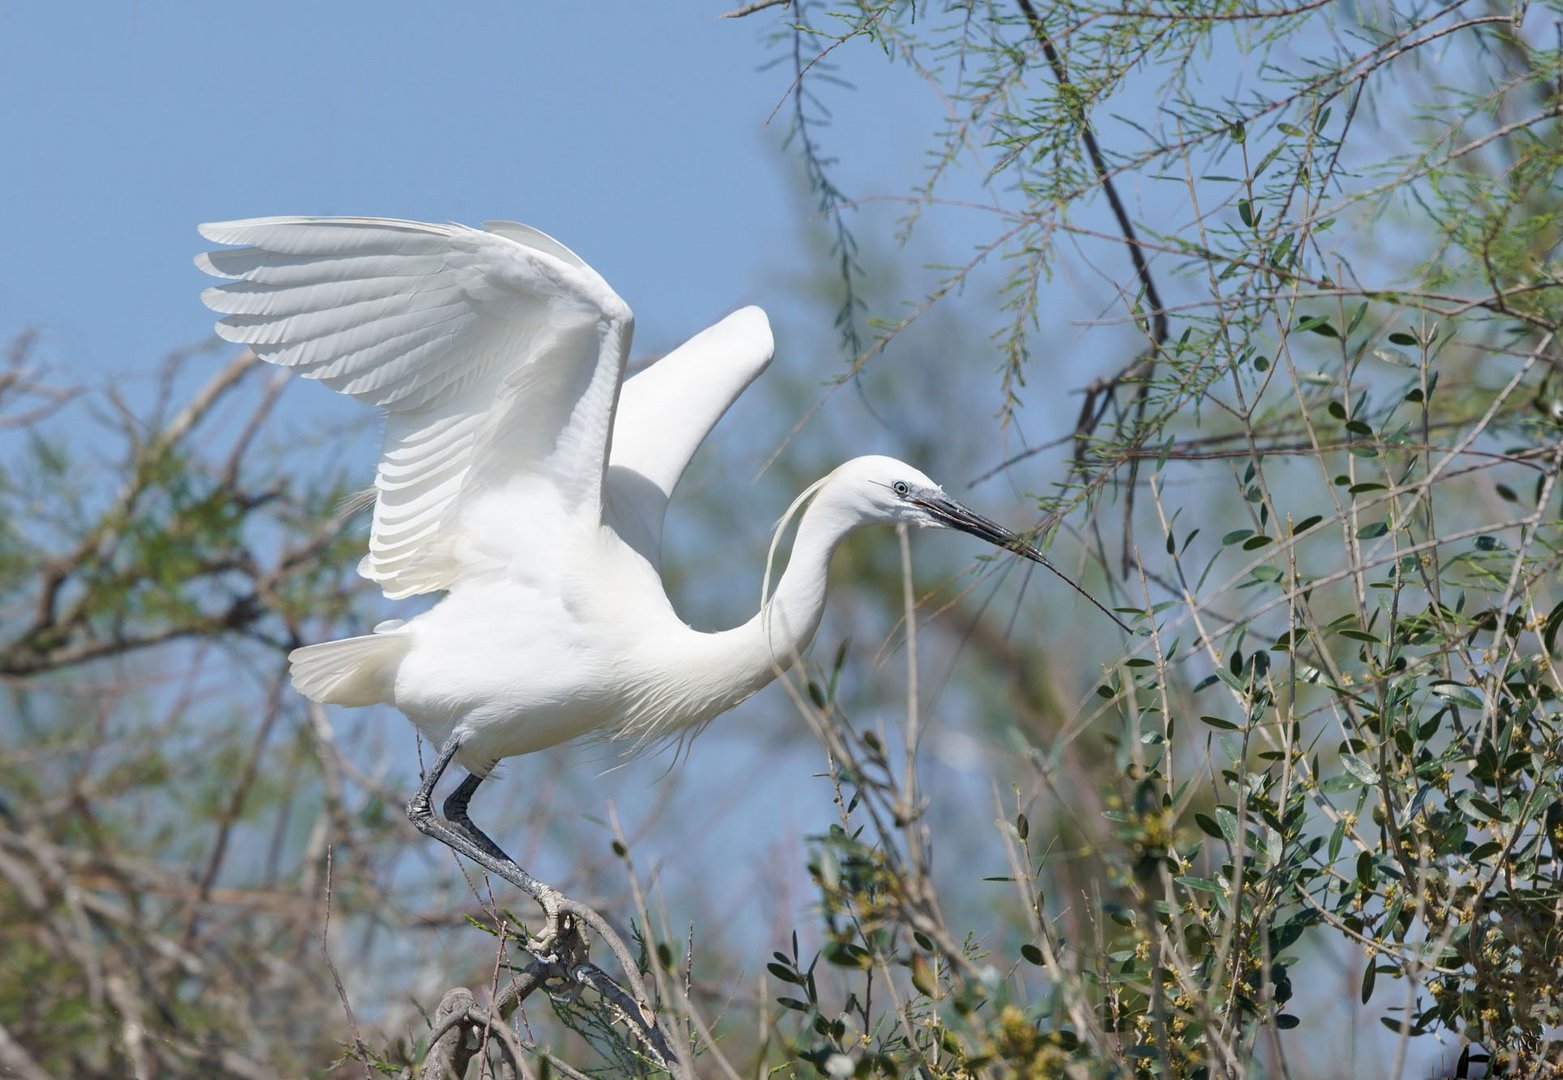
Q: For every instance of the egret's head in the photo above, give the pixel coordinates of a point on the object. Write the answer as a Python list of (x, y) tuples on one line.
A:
[(878, 490), (882, 489)]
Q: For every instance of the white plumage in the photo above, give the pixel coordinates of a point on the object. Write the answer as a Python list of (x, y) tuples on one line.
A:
[(518, 476)]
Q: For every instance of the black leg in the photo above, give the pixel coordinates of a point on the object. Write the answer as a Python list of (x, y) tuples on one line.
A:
[(463, 836), (455, 811)]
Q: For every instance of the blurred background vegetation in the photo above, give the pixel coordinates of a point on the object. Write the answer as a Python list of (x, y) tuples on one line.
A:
[(1305, 823)]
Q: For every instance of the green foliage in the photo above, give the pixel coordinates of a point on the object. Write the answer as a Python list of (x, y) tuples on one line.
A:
[(1334, 459)]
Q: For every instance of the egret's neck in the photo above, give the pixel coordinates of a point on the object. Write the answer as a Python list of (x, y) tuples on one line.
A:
[(751, 655), (688, 677)]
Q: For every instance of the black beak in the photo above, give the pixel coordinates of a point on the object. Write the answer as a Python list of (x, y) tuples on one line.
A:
[(953, 515)]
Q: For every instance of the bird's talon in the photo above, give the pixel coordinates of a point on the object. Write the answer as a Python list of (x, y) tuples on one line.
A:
[(560, 936)]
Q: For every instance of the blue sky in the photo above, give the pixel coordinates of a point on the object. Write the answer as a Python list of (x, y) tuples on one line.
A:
[(647, 137), (637, 133)]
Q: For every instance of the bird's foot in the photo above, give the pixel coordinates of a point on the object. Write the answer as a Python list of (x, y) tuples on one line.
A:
[(562, 941)]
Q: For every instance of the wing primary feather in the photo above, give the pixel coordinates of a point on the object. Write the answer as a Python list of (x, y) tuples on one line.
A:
[(277, 268), (283, 300)]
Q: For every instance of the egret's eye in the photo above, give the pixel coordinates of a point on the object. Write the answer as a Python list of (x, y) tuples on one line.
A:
[(901, 488)]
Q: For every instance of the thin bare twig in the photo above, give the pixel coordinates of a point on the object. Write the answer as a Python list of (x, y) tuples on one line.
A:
[(753, 6)]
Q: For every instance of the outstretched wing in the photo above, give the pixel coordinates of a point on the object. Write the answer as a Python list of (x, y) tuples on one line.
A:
[(496, 355), (665, 413)]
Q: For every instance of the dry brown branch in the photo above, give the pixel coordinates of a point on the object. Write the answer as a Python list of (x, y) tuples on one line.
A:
[(17, 1061), (452, 1043), (22, 388)]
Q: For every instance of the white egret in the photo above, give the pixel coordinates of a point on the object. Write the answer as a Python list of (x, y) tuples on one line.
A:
[(523, 476)]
